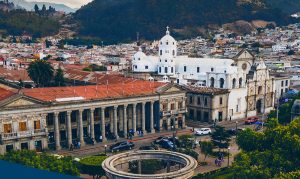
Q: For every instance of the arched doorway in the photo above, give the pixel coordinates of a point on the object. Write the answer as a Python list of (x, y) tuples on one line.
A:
[(259, 106)]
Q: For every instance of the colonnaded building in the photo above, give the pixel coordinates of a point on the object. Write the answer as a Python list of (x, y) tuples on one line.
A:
[(54, 117), (250, 87)]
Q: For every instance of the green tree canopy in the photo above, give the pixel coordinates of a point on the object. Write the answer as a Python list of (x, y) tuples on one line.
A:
[(271, 154), (59, 79), (220, 138), (41, 72), (206, 148), (92, 166)]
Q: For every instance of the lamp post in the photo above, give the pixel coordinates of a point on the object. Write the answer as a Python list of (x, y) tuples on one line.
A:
[(236, 129), (105, 146), (228, 156)]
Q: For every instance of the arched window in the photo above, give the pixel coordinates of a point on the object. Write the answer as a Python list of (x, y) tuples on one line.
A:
[(233, 83), (222, 83), (212, 82), (204, 83), (160, 52), (240, 82)]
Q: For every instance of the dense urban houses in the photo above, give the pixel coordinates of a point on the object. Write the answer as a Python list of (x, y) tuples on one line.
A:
[(250, 87), (41, 118)]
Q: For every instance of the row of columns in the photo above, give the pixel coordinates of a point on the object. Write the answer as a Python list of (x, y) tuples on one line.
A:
[(102, 114)]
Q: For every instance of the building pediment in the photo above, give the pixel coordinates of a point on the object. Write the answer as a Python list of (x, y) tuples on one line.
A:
[(244, 54), (169, 88), (20, 101)]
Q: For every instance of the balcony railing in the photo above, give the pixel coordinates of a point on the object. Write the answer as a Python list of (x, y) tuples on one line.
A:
[(22, 134)]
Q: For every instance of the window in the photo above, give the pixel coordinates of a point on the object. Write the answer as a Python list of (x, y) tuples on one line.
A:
[(286, 83), (282, 82), (166, 60), (233, 83), (135, 66), (198, 101), (61, 118), (160, 52), (22, 126), (167, 43), (191, 99), (205, 101), (177, 81), (159, 69), (240, 82), (166, 69), (172, 106), (184, 68), (222, 81), (139, 58), (37, 125), (7, 128), (191, 114), (173, 52), (199, 116), (172, 70), (165, 107), (212, 82), (221, 100), (198, 69), (180, 105), (146, 67), (212, 69), (260, 90)]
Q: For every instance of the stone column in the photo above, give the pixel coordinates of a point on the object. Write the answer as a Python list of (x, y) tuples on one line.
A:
[(80, 126), (56, 133), (151, 117), (183, 121), (125, 127), (111, 119), (103, 124), (134, 118), (92, 123), (116, 122), (69, 125), (143, 117)]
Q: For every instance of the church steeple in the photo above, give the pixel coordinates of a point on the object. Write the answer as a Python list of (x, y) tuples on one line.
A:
[(168, 32)]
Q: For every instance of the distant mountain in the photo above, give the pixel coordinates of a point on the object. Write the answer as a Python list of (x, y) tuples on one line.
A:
[(29, 5), (120, 20)]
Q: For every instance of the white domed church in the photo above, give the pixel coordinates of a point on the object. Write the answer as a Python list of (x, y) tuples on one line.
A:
[(230, 74)]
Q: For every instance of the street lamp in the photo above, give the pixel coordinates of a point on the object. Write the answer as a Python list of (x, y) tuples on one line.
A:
[(236, 129), (105, 146), (228, 156)]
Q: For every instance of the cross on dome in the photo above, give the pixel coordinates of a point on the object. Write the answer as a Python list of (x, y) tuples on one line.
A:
[(168, 32)]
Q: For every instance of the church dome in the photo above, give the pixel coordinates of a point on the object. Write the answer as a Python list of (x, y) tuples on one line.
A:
[(140, 55), (168, 45)]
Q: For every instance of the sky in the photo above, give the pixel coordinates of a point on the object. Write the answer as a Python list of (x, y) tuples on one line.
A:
[(70, 3)]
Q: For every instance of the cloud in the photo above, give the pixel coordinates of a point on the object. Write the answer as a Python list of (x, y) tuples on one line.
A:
[(70, 3)]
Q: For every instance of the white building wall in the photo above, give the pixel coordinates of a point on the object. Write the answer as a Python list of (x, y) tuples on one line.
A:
[(237, 97)]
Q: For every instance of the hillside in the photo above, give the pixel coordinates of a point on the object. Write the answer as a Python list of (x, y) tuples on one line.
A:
[(288, 6), (18, 22), (29, 5), (119, 20)]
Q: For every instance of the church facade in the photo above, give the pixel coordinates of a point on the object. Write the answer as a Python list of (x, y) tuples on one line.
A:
[(251, 88)]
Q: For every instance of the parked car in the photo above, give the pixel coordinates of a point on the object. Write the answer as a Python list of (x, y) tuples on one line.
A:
[(120, 146), (166, 144), (159, 139), (251, 120), (176, 141), (202, 131)]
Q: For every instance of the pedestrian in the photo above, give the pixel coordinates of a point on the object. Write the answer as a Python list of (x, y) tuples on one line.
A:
[(78, 144), (93, 142), (100, 138), (230, 118), (71, 147)]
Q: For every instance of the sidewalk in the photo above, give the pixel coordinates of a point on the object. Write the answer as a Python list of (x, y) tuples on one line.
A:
[(99, 147)]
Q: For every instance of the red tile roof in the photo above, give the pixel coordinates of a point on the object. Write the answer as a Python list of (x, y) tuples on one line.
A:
[(137, 88), (5, 93), (14, 75)]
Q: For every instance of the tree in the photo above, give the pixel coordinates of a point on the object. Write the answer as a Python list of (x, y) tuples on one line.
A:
[(36, 9), (92, 166), (206, 148), (271, 154), (64, 165), (44, 9), (59, 79), (220, 138), (41, 72)]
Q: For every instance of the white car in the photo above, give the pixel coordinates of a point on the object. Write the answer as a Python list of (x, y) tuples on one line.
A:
[(202, 131)]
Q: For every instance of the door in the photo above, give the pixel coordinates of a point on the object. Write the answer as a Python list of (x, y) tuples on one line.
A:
[(220, 116)]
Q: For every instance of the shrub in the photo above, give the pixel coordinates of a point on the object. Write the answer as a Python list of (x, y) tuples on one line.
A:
[(92, 166)]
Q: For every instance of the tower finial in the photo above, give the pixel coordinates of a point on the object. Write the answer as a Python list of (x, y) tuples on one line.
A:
[(168, 32)]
